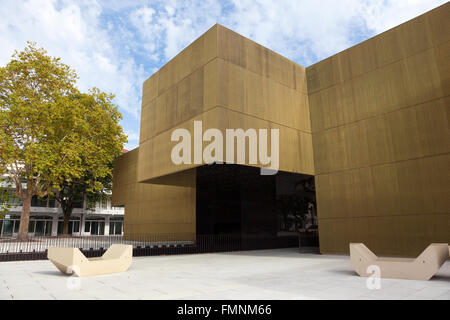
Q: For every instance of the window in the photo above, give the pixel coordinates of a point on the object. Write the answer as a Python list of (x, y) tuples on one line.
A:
[(38, 202), (40, 226), (101, 228), (14, 201), (115, 226), (51, 203), (95, 225), (31, 226), (8, 226), (118, 228), (74, 224), (104, 203), (78, 204), (48, 228)]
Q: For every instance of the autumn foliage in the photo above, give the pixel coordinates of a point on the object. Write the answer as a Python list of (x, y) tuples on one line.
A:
[(51, 134)]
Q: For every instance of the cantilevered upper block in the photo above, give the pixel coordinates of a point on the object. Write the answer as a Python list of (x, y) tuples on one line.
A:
[(228, 82), (72, 261), (422, 268)]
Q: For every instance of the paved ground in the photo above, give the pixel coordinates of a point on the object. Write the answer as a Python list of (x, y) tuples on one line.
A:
[(263, 274)]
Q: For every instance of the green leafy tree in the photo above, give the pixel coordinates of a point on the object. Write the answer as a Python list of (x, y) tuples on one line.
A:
[(102, 144), (5, 195), (49, 131), (83, 190), (4, 198)]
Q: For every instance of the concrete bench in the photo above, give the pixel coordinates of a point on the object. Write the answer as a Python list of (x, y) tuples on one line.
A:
[(423, 267), (72, 261)]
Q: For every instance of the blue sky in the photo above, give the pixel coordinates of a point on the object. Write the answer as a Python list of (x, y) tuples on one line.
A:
[(117, 44)]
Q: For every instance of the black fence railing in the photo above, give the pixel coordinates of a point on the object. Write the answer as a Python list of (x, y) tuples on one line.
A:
[(308, 241), (143, 245)]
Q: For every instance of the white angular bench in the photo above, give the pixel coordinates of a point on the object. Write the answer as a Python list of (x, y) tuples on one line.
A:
[(423, 267), (72, 261)]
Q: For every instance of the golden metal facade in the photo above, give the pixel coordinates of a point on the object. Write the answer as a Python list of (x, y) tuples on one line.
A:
[(379, 116), (154, 208), (371, 123), (226, 81)]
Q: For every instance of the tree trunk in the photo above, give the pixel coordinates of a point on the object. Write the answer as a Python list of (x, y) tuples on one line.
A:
[(25, 218), (67, 215)]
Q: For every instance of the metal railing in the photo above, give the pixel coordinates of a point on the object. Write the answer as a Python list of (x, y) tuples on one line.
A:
[(143, 245), (308, 241)]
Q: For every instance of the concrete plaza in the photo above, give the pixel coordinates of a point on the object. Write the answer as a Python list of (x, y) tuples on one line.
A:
[(262, 274)]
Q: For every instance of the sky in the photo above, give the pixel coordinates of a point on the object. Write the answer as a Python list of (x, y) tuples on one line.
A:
[(116, 44)]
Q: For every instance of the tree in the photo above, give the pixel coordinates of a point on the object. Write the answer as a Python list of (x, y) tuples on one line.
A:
[(80, 190), (68, 194), (4, 198), (100, 147), (46, 127)]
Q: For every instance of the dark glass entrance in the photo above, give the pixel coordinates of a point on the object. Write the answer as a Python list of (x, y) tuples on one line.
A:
[(260, 211)]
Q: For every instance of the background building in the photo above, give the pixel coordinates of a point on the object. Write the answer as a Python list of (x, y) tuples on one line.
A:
[(46, 218), (368, 128)]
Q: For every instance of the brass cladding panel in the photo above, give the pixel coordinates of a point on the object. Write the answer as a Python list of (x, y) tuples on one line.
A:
[(401, 188), (249, 55), (196, 55), (421, 130), (295, 146), (416, 79), (417, 35), (380, 122), (153, 208), (206, 74), (389, 235)]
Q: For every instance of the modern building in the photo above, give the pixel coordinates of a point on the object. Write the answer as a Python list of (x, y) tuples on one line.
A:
[(46, 217), (363, 140)]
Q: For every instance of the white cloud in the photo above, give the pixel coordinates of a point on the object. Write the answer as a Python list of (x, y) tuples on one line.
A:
[(116, 44), (73, 31), (388, 14), (301, 30), (305, 31), (173, 25), (309, 30)]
